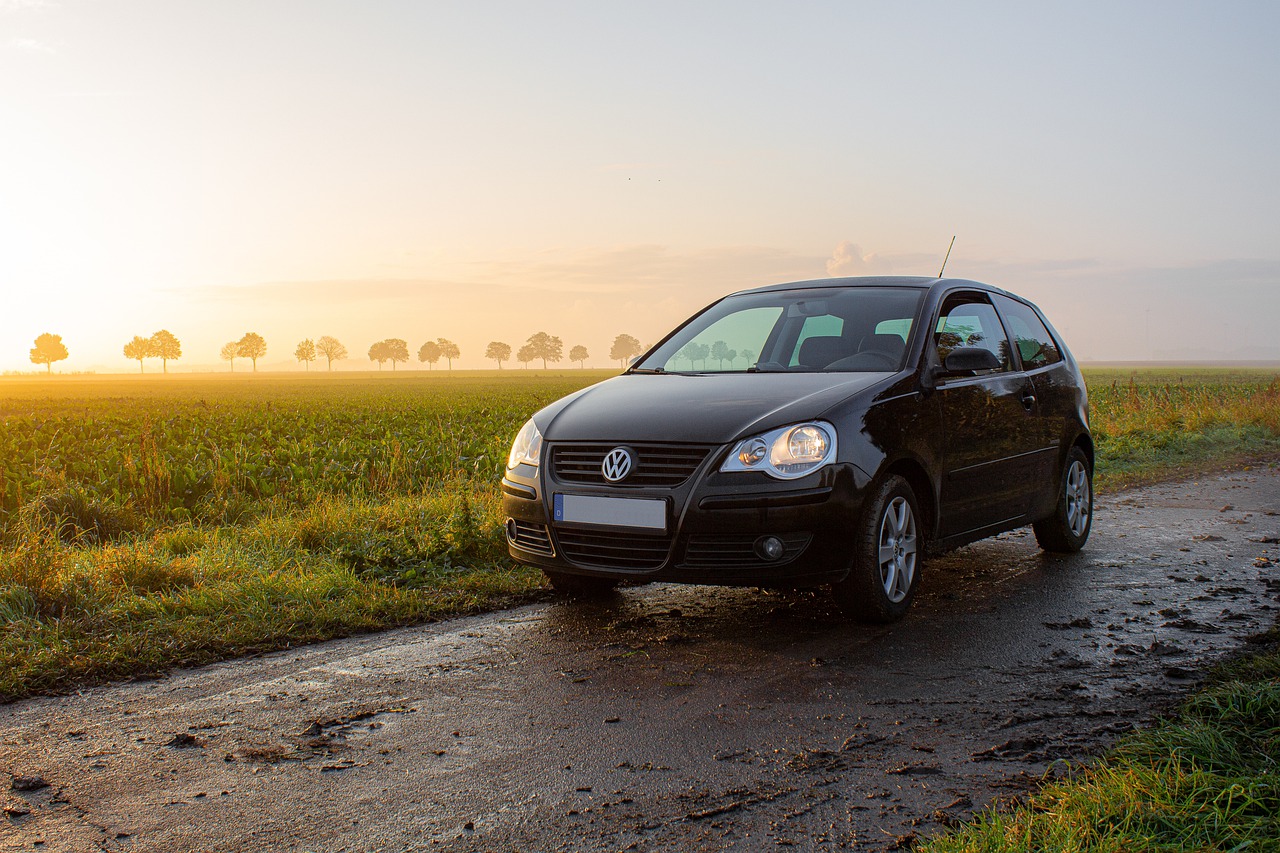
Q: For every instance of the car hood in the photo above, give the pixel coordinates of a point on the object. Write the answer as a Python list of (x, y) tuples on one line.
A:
[(696, 408)]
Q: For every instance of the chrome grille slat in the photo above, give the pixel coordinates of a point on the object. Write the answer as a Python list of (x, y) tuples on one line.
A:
[(666, 465)]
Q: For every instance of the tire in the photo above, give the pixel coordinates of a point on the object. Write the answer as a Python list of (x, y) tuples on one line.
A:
[(887, 556), (1068, 528), (580, 586)]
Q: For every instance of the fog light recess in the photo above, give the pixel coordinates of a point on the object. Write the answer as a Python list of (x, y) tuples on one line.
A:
[(769, 548), (511, 529)]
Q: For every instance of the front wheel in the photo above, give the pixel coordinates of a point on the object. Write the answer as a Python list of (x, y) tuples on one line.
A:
[(887, 552), (580, 586), (1068, 528)]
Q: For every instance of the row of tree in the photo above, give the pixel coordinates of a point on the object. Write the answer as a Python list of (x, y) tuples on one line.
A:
[(165, 346), (719, 350)]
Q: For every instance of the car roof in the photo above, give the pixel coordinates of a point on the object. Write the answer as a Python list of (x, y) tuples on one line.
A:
[(917, 281)]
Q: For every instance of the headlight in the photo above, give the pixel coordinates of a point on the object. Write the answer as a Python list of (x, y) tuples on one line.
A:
[(527, 447), (785, 453)]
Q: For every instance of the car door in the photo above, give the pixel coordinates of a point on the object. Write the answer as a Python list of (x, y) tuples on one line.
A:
[(1055, 390), (990, 433)]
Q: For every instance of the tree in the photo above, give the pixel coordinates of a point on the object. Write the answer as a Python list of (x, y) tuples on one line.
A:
[(138, 349), (380, 352), (253, 347), (689, 352), (449, 350), (331, 349), (720, 351), (306, 352), (498, 351), (579, 354), (525, 355), (429, 353), (624, 347), (546, 347), (230, 350), (397, 350), (749, 355), (701, 352), (48, 349), (165, 347)]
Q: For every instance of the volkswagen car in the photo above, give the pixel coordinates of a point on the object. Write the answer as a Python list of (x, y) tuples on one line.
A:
[(829, 432)]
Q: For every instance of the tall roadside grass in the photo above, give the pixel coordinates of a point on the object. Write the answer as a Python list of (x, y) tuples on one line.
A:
[(1148, 430), (74, 613)]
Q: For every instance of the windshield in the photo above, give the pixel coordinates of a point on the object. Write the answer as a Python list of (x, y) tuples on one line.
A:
[(844, 329)]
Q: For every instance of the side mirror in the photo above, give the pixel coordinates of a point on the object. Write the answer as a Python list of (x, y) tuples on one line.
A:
[(967, 359)]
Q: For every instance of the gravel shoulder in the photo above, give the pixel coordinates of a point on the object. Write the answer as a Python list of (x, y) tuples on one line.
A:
[(669, 717)]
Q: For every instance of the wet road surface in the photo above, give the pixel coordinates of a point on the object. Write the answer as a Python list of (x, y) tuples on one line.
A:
[(688, 718)]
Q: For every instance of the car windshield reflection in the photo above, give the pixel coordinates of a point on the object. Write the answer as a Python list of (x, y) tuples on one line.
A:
[(818, 330)]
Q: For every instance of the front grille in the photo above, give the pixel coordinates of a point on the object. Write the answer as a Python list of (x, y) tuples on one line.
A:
[(708, 551), (613, 550), (530, 537), (655, 464)]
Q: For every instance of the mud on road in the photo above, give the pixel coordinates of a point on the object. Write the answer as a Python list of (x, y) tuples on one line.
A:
[(670, 717)]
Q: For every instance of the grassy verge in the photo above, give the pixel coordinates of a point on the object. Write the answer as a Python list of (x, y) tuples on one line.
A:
[(1150, 430), (1207, 779), (77, 613)]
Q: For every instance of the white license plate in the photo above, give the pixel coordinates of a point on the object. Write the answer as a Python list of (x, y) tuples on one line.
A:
[(643, 513)]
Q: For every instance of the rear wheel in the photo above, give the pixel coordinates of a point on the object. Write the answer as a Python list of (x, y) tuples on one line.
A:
[(1068, 528), (887, 552), (580, 586)]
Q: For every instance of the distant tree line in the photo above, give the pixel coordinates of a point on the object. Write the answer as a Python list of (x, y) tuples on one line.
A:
[(540, 346)]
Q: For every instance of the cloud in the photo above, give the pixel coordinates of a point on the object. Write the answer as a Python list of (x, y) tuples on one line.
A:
[(849, 259), (25, 45)]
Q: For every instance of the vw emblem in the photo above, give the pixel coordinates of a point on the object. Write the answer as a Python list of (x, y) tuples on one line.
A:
[(617, 464)]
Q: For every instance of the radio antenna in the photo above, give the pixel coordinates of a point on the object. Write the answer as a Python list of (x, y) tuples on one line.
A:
[(944, 260)]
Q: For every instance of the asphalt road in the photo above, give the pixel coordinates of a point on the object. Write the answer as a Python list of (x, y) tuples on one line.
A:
[(670, 718)]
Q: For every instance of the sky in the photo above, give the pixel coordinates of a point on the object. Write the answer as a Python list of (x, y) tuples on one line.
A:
[(486, 170)]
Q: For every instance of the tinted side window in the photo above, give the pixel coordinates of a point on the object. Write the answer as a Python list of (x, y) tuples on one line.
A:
[(969, 320), (1034, 343)]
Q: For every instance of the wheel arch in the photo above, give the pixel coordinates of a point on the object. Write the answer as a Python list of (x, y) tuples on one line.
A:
[(1084, 441), (922, 486)]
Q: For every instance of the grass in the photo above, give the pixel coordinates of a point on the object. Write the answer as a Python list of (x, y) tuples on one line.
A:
[(1154, 424), (147, 523)]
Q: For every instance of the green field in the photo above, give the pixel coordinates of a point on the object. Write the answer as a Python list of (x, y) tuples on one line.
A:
[(152, 522)]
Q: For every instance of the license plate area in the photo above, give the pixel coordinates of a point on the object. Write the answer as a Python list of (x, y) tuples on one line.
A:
[(596, 511)]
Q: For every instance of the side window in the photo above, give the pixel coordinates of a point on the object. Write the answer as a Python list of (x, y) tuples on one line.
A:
[(1034, 343), (969, 320)]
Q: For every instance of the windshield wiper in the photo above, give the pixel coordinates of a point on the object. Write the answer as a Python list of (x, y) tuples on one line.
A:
[(646, 370)]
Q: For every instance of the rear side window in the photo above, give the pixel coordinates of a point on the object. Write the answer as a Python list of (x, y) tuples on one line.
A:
[(1034, 343)]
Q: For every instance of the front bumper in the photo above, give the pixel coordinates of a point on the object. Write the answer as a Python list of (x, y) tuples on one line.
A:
[(715, 522)]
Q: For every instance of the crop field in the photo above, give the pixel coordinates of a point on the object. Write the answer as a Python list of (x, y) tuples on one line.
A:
[(147, 523)]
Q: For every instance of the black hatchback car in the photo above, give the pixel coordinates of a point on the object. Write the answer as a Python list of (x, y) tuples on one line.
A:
[(817, 432)]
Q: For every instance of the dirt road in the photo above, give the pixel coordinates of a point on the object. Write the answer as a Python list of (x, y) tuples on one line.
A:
[(672, 718)]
